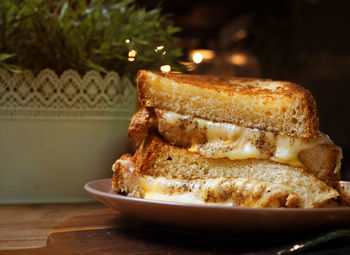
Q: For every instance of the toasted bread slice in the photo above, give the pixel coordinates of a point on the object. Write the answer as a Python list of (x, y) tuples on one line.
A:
[(124, 179), (323, 160), (318, 156), (276, 106), (143, 122), (344, 191), (157, 158), (211, 191)]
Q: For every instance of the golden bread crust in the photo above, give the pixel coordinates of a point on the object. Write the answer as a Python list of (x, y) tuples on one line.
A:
[(254, 103), (244, 86), (141, 124), (344, 195), (147, 153), (124, 181)]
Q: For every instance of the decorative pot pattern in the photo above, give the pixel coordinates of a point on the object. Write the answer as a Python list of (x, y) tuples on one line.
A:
[(59, 132)]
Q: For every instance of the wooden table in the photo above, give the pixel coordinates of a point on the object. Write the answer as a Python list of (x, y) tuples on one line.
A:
[(28, 226), (94, 229)]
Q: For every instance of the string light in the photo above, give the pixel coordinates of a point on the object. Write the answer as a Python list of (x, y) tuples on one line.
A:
[(127, 40), (197, 58), (132, 53), (160, 47), (165, 68), (201, 55)]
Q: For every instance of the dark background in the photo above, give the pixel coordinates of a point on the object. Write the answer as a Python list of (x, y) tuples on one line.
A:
[(307, 42)]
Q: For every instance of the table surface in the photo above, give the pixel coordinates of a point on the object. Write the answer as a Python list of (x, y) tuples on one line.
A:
[(86, 228), (28, 226)]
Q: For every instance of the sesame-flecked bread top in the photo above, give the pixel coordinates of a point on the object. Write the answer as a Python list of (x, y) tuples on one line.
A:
[(277, 106)]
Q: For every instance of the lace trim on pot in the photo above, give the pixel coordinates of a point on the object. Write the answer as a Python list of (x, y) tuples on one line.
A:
[(69, 96)]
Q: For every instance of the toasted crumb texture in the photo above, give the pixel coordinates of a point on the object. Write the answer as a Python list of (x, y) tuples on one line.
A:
[(344, 194), (158, 158), (276, 106), (124, 181), (224, 191), (141, 124), (323, 161)]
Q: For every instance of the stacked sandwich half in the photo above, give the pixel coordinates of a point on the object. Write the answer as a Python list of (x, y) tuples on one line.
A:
[(228, 141)]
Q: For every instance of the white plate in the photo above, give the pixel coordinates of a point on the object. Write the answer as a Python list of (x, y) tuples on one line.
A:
[(218, 217)]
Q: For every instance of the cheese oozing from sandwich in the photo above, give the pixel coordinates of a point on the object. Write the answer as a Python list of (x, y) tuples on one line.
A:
[(217, 191), (211, 191), (219, 139)]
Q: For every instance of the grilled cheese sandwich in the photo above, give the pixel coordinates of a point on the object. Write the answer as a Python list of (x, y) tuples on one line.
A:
[(210, 133)]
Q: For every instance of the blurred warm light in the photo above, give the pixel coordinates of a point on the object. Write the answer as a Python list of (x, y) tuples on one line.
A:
[(131, 59), (197, 58), (132, 53), (190, 66), (238, 59), (165, 68), (159, 48), (239, 35), (127, 40), (201, 55)]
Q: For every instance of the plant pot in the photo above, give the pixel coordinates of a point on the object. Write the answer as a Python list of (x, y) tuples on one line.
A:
[(57, 133)]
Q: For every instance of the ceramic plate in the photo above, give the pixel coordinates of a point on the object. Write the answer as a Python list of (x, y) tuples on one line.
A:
[(218, 217)]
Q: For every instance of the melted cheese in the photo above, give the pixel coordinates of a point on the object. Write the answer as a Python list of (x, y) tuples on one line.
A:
[(236, 142), (128, 164), (215, 191)]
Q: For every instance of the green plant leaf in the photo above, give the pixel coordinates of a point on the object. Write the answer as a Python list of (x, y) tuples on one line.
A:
[(85, 35), (96, 67), (4, 56), (63, 10), (11, 68)]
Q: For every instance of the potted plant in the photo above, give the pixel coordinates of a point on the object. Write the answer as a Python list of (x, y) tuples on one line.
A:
[(67, 71)]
